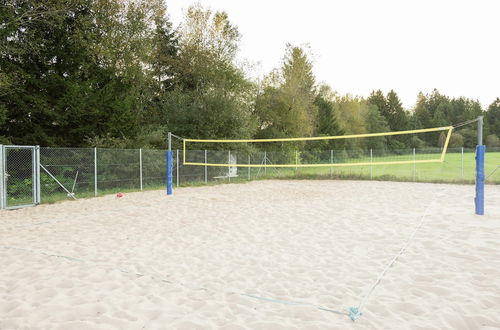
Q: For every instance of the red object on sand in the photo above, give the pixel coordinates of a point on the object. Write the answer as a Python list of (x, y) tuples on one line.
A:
[(119, 195)]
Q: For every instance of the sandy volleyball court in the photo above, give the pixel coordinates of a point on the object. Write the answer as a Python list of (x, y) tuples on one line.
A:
[(194, 260)]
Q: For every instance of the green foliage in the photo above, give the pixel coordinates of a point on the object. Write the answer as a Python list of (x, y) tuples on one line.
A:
[(492, 117), (352, 116), (378, 99), (396, 118), (164, 55), (391, 108), (67, 90), (211, 97), (436, 110), (376, 123), (19, 188), (492, 141), (456, 140), (416, 142), (286, 105), (328, 123)]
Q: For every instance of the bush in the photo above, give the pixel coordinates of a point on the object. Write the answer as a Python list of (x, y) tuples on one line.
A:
[(492, 141), (456, 140)]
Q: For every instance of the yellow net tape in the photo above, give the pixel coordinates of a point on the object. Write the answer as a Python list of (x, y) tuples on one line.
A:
[(319, 138)]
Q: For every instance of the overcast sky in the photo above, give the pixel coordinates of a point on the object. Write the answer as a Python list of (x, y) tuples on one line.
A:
[(361, 45)]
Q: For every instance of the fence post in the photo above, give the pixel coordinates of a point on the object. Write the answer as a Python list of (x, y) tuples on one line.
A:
[(371, 164), (462, 163), (414, 166), (206, 168), (331, 162), (479, 199), (228, 169), (265, 162), (140, 166), (480, 151), (169, 172), (169, 164), (296, 160), (249, 168), (95, 171), (2, 180), (37, 168), (178, 161)]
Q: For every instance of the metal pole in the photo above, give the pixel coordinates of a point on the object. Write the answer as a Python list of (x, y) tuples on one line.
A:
[(206, 168), (414, 166), (480, 131), (58, 182), (95, 171), (331, 162), (37, 166), (462, 163), (249, 167), (371, 165), (265, 162), (229, 168), (480, 155), (169, 164), (2, 181), (33, 175), (178, 161), (296, 159), (140, 167)]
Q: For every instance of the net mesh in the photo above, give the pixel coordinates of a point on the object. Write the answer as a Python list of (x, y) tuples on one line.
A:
[(405, 147)]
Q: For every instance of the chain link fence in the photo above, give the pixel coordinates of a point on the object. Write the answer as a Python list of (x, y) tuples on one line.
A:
[(67, 173), (17, 170)]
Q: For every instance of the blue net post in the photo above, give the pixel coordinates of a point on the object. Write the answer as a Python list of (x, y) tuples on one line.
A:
[(479, 199), (169, 172)]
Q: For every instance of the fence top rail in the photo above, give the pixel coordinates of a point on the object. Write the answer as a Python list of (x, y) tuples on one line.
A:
[(17, 147), (68, 148), (421, 149)]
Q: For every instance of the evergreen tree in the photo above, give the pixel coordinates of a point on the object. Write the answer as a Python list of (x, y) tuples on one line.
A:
[(395, 114), (421, 112), (376, 123), (65, 91), (286, 105), (391, 109), (492, 117), (328, 123), (433, 101), (165, 51), (378, 99), (397, 120)]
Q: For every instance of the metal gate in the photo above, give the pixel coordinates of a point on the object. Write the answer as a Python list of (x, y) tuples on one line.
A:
[(19, 176)]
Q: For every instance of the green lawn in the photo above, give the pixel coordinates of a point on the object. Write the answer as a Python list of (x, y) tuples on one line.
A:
[(448, 171)]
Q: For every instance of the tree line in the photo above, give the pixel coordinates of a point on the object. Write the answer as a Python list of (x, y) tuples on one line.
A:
[(111, 73)]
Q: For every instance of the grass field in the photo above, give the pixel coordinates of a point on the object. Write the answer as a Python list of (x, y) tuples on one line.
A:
[(450, 171)]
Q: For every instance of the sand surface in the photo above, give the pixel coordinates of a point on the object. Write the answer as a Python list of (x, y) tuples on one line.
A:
[(188, 261)]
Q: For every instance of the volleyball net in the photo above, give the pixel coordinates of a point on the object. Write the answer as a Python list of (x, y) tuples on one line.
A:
[(387, 148)]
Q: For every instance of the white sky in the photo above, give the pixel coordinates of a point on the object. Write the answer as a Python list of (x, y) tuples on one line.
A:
[(361, 45)]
